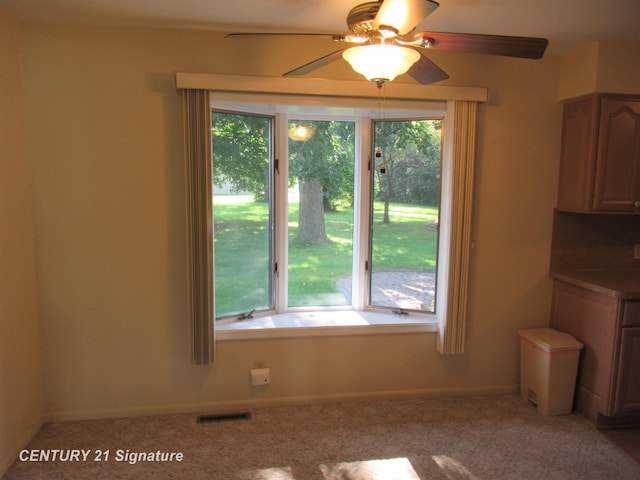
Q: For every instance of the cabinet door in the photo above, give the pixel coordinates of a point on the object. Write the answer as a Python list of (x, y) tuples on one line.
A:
[(593, 320), (631, 313), (578, 155), (617, 187), (627, 399)]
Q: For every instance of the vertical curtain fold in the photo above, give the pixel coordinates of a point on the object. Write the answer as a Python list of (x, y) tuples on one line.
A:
[(452, 334), (197, 135)]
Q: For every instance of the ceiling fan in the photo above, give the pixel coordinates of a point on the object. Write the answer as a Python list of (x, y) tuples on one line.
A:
[(385, 43)]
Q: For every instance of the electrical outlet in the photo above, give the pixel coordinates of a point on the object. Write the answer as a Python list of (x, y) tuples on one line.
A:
[(636, 251), (260, 376)]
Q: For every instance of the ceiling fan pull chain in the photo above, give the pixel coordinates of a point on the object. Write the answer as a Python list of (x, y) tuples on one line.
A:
[(382, 92), (378, 153)]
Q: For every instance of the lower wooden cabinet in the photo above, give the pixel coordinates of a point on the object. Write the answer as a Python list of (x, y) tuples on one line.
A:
[(627, 398), (608, 383)]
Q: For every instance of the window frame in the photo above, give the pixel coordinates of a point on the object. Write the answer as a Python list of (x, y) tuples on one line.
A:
[(283, 160), (441, 116), (364, 114), (272, 292)]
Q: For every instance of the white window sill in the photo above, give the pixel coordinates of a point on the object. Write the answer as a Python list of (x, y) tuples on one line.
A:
[(324, 323)]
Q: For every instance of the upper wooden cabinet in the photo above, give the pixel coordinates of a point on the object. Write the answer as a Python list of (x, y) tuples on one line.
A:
[(600, 157)]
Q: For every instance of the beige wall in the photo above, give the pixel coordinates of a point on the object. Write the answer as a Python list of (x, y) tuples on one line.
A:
[(21, 403), (578, 72), (607, 67), (105, 138), (619, 67)]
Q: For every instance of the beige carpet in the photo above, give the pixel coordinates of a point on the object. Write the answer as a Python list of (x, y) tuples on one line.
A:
[(484, 437)]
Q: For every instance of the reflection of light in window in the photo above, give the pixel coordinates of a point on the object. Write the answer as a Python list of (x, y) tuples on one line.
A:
[(386, 469), (453, 469), (301, 133), (283, 473)]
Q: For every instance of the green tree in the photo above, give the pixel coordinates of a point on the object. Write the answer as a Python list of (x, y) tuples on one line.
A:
[(241, 152), (407, 166), (322, 161)]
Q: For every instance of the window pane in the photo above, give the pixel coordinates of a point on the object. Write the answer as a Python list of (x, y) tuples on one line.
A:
[(406, 203), (321, 163), (242, 212)]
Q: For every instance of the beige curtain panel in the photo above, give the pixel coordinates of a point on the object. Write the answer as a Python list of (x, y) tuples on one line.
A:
[(197, 135), (451, 341)]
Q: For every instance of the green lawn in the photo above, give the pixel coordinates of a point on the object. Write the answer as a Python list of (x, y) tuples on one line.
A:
[(241, 251)]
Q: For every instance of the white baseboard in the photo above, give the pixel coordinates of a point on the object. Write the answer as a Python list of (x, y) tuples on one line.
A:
[(235, 405)]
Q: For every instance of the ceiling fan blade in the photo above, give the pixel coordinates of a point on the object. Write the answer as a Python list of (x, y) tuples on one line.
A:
[(336, 37), (280, 34), (320, 62), (424, 71), (404, 15), (522, 47)]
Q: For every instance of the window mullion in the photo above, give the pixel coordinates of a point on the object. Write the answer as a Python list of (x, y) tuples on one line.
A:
[(362, 213), (280, 212)]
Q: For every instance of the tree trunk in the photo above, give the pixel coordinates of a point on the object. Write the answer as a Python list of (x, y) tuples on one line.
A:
[(387, 193), (311, 228), (325, 201), (385, 217)]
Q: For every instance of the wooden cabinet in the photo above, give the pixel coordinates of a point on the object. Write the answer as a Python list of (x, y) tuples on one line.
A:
[(627, 396), (608, 382), (600, 156)]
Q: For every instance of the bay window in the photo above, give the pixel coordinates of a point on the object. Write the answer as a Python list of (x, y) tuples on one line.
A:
[(383, 247), (324, 209)]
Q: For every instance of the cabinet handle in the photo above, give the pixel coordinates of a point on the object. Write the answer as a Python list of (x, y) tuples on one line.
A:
[(636, 203)]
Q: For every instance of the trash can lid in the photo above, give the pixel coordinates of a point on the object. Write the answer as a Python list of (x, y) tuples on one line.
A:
[(550, 340)]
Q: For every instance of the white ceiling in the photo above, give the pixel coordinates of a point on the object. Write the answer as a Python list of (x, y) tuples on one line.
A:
[(568, 24)]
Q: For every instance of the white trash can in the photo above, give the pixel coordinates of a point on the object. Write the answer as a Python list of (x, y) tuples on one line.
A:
[(548, 369)]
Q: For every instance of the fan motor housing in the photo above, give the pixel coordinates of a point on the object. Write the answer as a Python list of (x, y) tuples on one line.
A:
[(360, 18)]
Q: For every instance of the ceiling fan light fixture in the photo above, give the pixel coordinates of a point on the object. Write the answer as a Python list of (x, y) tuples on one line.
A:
[(381, 62)]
